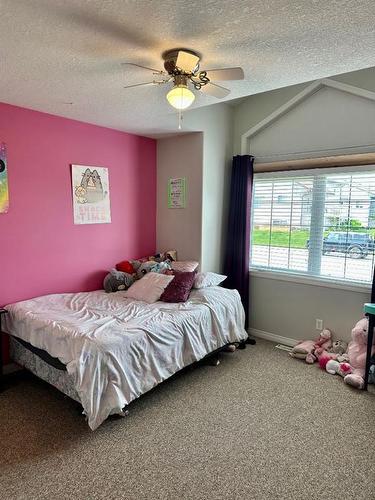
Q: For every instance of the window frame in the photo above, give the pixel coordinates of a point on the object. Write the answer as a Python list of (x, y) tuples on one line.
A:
[(302, 277)]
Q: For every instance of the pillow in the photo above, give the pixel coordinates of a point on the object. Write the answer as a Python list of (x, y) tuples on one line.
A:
[(203, 280), (149, 288), (179, 288), (186, 266)]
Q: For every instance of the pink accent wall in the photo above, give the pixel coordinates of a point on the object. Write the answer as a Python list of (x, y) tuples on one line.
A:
[(41, 250)]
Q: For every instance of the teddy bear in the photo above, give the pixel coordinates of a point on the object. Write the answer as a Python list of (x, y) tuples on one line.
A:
[(339, 347), (357, 354), (117, 280), (335, 352)]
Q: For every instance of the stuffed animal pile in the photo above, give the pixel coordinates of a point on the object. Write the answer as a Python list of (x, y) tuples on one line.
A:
[(338, 357), (128, 271)]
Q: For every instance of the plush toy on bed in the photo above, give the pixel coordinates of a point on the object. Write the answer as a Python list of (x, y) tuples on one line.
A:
[(117, 280), (125, 266), (154, 267), (357, 354)]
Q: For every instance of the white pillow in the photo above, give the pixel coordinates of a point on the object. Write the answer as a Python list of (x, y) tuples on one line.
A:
[(208, 279), (149, 288)]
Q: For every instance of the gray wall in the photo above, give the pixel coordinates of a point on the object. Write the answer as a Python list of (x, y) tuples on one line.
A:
[(180, 229), (289, 309), (198, 231), (283, 307)]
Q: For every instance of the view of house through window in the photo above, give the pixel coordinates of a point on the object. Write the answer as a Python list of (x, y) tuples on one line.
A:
[(322, 224)]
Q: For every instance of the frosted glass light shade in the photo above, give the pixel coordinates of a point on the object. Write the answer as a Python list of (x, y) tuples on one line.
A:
[(180, 97)]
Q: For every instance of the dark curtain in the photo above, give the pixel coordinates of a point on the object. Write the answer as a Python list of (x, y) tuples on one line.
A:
[(236, 263)]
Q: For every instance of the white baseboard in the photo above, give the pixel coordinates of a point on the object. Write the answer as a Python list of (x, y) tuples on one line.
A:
[(277, 339)]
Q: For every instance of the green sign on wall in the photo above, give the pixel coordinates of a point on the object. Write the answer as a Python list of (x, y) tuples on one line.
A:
[(177, 193)]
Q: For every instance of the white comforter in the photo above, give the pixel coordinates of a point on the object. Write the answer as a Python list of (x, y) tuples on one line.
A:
[(116, 349)]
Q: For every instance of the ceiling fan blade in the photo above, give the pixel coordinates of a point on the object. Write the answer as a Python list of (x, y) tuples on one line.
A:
[(215, 90), (225, 74), (186, 61), (142, 84), (159, 71)]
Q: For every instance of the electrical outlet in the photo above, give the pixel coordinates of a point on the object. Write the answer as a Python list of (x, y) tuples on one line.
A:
[(319, 324)]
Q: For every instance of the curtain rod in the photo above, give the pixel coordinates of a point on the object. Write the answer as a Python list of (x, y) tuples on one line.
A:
[(314, 151), (321, 162)]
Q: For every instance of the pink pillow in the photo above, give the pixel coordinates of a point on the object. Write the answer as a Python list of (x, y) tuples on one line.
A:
[(149, 288), (187, 266), (178, 290)]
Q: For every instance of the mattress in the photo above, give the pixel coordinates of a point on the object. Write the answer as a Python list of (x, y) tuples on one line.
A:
[(116, 349)]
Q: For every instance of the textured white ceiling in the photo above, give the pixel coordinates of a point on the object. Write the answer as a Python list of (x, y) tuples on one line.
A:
[(57, 52)]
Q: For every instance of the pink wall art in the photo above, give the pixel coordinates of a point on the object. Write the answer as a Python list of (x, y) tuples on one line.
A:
[(91, 204)]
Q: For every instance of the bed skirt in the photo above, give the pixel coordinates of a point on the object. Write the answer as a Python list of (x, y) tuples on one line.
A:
[(59, 379)]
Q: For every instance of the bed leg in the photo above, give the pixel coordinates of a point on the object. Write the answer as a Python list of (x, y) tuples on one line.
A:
[(124, 412), (249, 340), (215, 360), (229, 348)]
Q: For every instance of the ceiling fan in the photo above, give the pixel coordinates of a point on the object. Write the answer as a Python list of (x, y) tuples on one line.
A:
[(181, 67)]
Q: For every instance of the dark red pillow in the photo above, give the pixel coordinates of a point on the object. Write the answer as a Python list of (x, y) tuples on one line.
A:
[(179, 288)]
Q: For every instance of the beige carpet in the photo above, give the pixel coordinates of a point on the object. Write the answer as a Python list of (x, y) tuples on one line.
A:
[(259, 426)]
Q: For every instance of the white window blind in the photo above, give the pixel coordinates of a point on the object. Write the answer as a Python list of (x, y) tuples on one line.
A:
[(319, 222)]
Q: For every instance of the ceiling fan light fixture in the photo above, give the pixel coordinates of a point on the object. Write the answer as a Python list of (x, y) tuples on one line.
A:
[(180, 97)]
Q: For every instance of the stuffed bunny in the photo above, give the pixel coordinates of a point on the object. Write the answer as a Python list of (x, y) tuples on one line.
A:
[(357, 354)]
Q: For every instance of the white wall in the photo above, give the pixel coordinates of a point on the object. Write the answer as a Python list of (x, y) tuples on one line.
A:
[(216, 182), (286, 308)]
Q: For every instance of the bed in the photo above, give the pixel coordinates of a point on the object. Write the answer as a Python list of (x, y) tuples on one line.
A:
[(105, 350)]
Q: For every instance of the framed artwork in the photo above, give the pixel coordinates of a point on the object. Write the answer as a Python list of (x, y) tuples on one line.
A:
[(4, 193), (177, 193), (91, 203)]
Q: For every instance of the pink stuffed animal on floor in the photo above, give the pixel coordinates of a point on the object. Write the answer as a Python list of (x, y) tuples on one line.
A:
[(320, 347), (357, 354), (306, 348)]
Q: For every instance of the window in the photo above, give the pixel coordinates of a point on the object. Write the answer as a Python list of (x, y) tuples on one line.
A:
[(319, 222)]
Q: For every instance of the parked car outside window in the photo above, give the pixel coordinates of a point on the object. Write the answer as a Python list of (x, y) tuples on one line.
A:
[(355, 245)]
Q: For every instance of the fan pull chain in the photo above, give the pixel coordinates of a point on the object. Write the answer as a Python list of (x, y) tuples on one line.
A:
[(180, 119)]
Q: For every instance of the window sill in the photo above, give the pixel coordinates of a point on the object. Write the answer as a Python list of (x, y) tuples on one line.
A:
[(310, 280)]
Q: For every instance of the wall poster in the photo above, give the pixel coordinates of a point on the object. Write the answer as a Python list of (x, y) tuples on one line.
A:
[(91, 203), (177, 193), (4, 193)]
